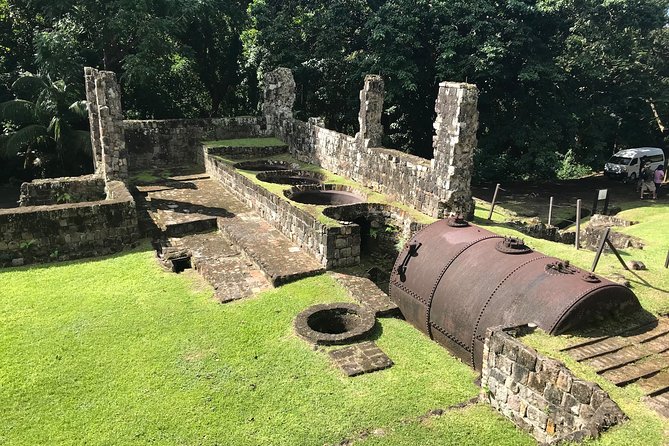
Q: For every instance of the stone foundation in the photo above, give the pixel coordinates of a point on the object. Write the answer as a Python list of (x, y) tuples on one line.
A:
[(437, 188), (62, 190), (541, 395), (33, 234), (173, 142), (333, 246)]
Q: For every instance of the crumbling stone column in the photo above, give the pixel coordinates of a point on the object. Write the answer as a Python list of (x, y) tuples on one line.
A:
[(278, 95), (106, 118), (93, 117), (454, 144), (371, 109)]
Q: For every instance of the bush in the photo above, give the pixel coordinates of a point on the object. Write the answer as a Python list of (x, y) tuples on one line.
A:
[(570, 169)]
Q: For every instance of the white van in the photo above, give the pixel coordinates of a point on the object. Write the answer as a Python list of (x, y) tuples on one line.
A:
[(626, 164)]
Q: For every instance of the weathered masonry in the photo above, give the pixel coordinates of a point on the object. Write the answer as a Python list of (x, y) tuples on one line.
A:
[(435, 187), (91, 215)]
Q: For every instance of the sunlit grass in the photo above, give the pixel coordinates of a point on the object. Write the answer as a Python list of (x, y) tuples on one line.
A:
[(116, 351)]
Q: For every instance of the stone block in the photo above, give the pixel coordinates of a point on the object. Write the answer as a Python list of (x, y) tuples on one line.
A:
[(552, 394), (537, 417), (564, 380), (520, 374), (527, 357), (582, 391)]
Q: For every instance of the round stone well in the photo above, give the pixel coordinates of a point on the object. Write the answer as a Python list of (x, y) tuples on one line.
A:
[(325, 195), (292, 177), (265, 165), (336, 323)]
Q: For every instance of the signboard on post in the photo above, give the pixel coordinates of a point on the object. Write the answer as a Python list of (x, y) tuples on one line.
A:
[(601, 195)]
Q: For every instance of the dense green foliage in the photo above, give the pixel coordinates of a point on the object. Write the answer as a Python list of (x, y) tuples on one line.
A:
[(555, 76)]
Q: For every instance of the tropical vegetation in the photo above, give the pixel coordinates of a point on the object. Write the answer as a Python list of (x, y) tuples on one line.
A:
[(563, 83)]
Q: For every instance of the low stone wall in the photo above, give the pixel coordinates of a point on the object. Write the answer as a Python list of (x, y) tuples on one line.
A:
[(403, 177), (538, 229), (541, 395), (33, 234), (62, 190), (333, 246), (239, 152), (164, 143), (594, 230)]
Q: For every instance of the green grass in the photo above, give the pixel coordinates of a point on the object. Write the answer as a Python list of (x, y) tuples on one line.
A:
[(116, 351), (651, 286), (471, 426), (245, 142)]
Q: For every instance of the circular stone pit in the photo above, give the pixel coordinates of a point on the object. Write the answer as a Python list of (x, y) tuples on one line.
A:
[(292, 177), (265, 165), (326, 195), (336, 323)]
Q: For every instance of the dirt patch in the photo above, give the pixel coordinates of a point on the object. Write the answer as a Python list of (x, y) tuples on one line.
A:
[(531, 199)]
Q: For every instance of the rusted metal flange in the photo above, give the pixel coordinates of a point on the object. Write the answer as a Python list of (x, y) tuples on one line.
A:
[(512, 245)]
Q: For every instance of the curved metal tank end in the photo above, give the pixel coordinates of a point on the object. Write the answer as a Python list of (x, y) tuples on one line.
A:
[(454, 280)]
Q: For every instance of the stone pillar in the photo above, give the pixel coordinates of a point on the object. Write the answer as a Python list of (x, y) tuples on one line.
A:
[(93, 117), (371, 109), (106, 117), (454, 143), (278, 95)]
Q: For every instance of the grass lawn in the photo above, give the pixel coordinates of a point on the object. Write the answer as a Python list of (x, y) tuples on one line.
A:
[(116, 351), (245, 142)]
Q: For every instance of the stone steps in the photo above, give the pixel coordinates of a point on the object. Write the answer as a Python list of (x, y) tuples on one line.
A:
[(655, 384), (193, 226), (221, 264), (632, 372), (638, 355), (277, 257), (632, 353)]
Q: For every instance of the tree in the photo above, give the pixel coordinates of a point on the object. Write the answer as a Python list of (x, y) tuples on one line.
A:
[(40, 126)]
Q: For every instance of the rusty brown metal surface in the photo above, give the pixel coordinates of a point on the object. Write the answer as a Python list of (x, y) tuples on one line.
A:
[(453, 282)]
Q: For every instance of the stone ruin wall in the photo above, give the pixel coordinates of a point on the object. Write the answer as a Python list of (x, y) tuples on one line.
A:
[(62, 190), (541, 395), (48, 233), (333, 246), (436, 187), (105, 116), (75, 217), (173, 142)]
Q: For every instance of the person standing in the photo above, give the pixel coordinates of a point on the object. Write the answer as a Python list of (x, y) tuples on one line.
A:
[(647, 180), (659, 177)]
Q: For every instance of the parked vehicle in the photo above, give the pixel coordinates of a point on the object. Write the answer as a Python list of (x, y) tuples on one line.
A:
[(626, 164)]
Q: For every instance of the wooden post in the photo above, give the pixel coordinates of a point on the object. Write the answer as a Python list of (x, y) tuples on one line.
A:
[(600, 248), (494, 199), (550, 211), (605, 241), (578, 224)]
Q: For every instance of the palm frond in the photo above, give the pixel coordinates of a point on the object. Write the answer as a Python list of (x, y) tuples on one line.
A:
[(28, 86), (18, 111), (29, 135), (79, 108), (55, 128)]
